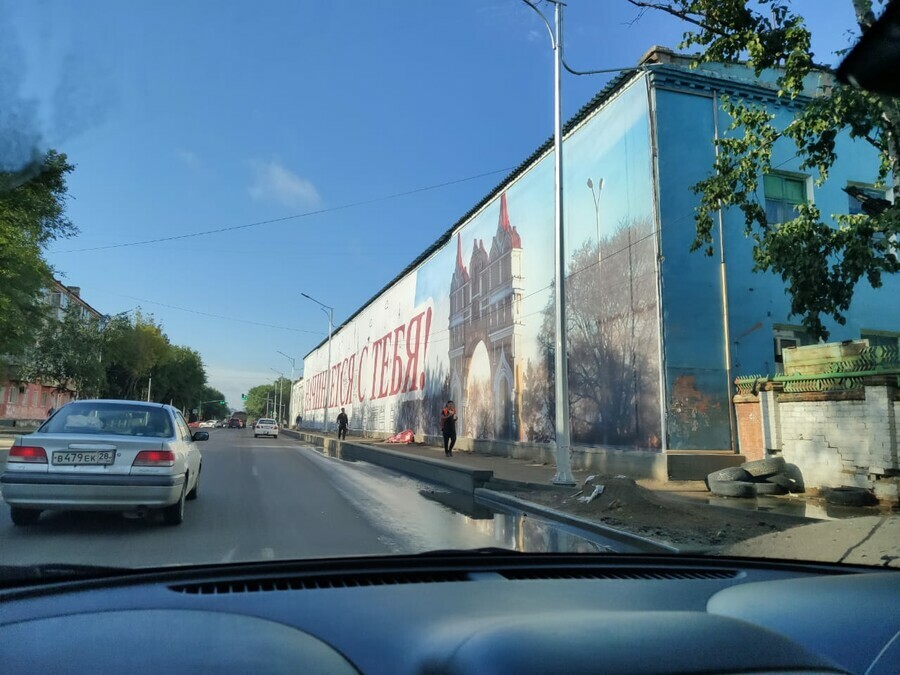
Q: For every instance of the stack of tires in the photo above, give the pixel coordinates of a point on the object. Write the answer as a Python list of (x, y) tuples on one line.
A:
[(771, 476)]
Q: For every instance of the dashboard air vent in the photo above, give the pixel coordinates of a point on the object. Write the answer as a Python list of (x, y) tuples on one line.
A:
[(299, 583), (642, 574)]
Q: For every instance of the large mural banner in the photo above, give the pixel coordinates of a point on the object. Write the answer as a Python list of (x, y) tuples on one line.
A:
[(474, 323)]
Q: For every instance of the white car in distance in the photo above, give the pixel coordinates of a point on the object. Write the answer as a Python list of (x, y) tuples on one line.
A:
[(265, 427)]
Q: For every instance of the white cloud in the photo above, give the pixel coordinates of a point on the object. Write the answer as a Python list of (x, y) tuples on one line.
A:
[(274, 182), (190, 159)]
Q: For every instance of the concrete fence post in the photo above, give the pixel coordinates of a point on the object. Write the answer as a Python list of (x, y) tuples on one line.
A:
[(881, 429), (770, 419)]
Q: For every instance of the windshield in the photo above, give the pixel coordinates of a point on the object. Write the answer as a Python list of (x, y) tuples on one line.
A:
[(671, 324), (96, 417)]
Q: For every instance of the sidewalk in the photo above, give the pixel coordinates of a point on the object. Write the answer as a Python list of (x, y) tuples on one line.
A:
[(680, 514)]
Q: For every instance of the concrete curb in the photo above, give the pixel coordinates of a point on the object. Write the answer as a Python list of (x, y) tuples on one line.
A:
[(504, 501), (444, 473)]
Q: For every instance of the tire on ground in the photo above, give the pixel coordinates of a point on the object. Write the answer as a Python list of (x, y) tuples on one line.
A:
[(767, 488), (849, 496), (732, 488), (24, 517), (785, 481), (730, 473), (763, 468)]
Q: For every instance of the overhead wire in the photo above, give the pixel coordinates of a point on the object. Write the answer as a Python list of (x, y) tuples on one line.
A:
[(295, 216)]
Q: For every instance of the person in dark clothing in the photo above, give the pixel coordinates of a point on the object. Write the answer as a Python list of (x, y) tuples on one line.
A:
[(342, 423), (448, 427)]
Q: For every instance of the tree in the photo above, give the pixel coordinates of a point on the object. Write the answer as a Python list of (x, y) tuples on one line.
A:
[(215, 407), (613, 364), (32, 214), (67, 354), (133, 348), (819, 263), (179, 378), (258, 403)]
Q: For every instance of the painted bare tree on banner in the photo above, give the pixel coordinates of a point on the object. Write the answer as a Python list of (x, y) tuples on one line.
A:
[(423, 415), (612, 339)]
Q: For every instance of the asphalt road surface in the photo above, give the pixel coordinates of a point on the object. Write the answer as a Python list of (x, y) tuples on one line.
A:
[(264, 499)]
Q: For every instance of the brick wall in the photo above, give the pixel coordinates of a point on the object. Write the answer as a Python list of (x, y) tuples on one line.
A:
[(749, 424), (841, 437), (827, 439), (29, 401)]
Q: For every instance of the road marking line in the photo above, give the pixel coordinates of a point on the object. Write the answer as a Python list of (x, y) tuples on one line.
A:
[(254, 471), (229, 556), (267, 553)]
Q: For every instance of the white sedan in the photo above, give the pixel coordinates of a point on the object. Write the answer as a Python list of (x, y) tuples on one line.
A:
[(208, 424), (265, 427), (105, 456)]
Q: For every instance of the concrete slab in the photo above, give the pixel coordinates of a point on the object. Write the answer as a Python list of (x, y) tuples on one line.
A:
[(870, 540)]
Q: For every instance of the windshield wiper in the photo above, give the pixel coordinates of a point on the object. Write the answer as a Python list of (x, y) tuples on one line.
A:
[(55, 572)]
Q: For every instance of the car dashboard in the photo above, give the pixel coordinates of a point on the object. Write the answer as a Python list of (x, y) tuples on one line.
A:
[(461, 613)]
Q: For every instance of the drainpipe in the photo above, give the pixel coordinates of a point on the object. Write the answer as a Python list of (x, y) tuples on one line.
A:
[(661, 337), (723, 274)]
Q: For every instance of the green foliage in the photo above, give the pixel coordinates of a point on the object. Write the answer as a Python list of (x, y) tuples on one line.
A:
[(820, 260), (256, 405), (214, 408), (68, 353), (179, 378), (32, 214), (133, 349)]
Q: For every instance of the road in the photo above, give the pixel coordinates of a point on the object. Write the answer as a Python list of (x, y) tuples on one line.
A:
[(262, 499)]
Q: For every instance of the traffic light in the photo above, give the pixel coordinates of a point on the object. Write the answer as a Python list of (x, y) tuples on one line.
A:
[(243, 397), (221, 402)]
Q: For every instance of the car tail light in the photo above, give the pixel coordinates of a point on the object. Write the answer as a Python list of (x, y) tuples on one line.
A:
[(154, 458), (27, 453)]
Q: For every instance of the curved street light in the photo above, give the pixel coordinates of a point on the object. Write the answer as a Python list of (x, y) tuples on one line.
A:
[(329, 312)]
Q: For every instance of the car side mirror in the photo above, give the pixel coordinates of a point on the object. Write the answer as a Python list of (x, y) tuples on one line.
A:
[(200, 436)]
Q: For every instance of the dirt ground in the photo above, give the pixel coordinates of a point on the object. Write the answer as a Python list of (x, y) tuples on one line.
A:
[(628, 506)]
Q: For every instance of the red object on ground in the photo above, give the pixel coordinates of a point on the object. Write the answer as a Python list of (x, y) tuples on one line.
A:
[(403, 437)]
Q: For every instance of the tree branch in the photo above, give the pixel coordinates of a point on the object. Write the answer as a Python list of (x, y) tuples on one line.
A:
[(683, 15)]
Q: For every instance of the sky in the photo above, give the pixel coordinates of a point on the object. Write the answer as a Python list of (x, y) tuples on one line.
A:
[(338, 139)]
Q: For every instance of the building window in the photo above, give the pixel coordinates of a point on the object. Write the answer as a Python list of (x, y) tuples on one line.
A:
[(788, 337), (784, 193), (854, 206), (880, 338), (13, 394), (45, 396)]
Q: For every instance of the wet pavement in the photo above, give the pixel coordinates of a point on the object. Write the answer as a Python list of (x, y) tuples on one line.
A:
[(801, 506)]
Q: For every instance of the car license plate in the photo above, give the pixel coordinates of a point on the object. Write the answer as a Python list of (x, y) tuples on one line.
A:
[(84, 457)]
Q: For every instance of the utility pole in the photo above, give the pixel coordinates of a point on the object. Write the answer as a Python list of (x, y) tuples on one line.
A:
[(329, 311), (561, 362)]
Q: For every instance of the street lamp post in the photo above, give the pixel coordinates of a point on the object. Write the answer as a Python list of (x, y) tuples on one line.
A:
[(329, 311), (563, 438), (291, 392), (277, 395)]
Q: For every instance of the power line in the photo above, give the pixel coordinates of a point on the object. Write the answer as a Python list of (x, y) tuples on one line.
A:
[(295, 216), (219, 316)]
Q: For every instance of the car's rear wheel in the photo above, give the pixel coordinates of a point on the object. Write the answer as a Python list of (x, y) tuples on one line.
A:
[(23, 517), (174, 515), (193, 493)]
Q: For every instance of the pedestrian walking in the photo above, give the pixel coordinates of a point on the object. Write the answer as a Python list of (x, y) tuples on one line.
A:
[(448, 427), (343, 423), (297, 421)]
